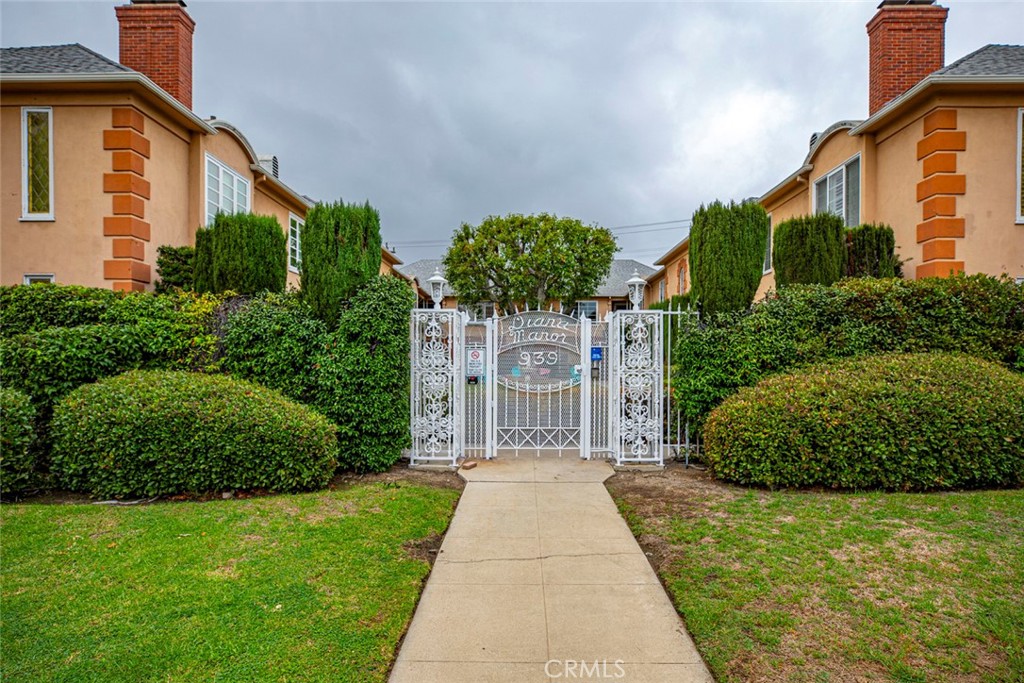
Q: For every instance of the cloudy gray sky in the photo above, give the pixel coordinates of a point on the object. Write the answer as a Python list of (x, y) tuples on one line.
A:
[(620, 114)]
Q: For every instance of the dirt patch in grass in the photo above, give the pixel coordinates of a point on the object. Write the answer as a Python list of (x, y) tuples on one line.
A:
[(425, 548), (401, 473), (677, 492)]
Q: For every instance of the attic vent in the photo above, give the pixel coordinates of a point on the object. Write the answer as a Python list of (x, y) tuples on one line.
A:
[(269, 162), (814, 138)]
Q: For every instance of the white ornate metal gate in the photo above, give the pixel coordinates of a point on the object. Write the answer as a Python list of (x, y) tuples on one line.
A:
[(541, 382)]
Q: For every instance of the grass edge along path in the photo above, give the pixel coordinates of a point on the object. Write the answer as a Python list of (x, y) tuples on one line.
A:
[(313, 587), (806, 586)]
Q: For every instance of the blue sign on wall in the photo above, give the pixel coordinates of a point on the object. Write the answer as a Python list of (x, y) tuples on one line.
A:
[(596, 353)]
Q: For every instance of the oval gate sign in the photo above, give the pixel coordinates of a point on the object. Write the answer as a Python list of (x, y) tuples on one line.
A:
[(538, 351)]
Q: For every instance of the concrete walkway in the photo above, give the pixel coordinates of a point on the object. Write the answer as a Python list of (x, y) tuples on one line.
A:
[(539, 577)]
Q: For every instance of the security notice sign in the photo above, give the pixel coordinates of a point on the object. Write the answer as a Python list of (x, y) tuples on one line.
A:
[(474, 361)]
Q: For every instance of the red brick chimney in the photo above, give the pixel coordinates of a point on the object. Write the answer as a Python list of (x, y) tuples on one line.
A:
[(907, 42), (156, 40)]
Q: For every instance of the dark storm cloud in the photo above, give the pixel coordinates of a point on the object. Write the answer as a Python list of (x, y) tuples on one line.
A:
[(443, 113)]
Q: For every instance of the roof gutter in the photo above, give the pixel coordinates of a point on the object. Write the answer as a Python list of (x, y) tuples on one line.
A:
[(281, 187), (126, 77), (890, 109), (806, 168)]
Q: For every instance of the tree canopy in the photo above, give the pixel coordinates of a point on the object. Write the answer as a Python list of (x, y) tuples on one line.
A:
[(533, 260)]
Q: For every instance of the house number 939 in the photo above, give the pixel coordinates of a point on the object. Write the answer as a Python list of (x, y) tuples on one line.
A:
[(538, 358)]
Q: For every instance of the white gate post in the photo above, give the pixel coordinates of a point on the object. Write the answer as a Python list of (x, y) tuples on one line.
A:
[(436, 387), (586, 387), (639, 387), (491, 392)]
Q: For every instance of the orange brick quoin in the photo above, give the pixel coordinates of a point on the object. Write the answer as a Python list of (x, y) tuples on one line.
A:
[(129, 149), (942, 141), (938, 206), (939, 269), (125, 138), (127, 117), (129, 204)]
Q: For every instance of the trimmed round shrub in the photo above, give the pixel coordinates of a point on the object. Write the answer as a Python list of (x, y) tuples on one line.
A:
[(149, 433), (893, 422), (17, 432)]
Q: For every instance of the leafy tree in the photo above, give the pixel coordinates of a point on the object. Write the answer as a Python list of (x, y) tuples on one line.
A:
[(532, 260), (809, 250), (727, 245), (340, 254), (175, 268), (242, 253)]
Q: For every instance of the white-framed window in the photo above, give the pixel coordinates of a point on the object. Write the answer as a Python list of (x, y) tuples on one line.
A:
[(226, 191), (37, 278), (295, 225), (1020, 165), (586, 308), (838, 192), (682, 279), (768, 249), (661, 290), (36, 164)]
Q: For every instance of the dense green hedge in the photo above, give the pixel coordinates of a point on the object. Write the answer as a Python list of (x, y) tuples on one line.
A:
[(871, 252), (32, 308), (357, 375), (894, 422), (362, 376), (17, 433), (161, 433), (977, 315), (27, 309), (274, 340), (727, 253), (809, 250), (243, 253), (175, 268), (340, 254)]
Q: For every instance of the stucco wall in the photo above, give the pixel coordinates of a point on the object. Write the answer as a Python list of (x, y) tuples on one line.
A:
[(62, 246), (167, 169), (993, 242)]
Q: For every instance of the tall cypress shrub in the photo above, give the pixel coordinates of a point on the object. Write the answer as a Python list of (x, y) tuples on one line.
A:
[(203, 264), (340, 254), (727, 245), (809, 250), (242, 253), (872, 252)]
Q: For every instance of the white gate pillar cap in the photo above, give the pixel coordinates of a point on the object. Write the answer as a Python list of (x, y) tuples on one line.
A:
[(636, 285)]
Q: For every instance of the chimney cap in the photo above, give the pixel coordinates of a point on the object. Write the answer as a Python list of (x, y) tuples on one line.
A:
[(159, 2), (884, 3)]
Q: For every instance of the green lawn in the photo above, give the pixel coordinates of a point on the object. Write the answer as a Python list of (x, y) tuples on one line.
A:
[(834, 587), (315, 587)]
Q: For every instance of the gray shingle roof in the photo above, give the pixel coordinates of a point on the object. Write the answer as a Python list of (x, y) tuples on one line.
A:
[(614, 285), (56, 59), (991, 60)]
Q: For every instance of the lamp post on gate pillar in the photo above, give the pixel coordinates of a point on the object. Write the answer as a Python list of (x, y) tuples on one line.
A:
[(437, 283), (636, 285)]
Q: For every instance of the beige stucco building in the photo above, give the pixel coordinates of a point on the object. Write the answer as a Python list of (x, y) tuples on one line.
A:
[(102, 162), (939, 158)]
